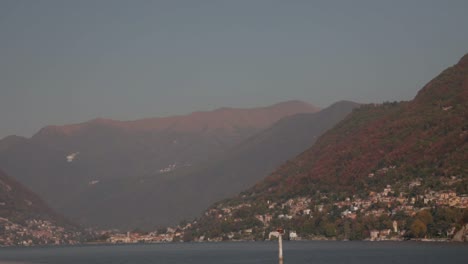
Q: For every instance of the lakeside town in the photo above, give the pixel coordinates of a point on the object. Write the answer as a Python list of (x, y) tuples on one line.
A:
[(36, 232), (389, 207)]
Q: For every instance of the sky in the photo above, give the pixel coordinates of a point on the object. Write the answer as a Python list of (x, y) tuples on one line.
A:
[(67, 61)]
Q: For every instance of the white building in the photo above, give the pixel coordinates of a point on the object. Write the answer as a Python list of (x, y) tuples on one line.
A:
[(293, 235)]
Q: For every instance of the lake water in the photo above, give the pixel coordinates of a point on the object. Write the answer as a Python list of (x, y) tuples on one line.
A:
[(317, 252)]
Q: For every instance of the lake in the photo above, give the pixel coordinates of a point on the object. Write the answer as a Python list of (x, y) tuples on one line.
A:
[(311, 252)]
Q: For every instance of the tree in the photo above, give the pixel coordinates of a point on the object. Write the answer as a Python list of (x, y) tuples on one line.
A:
[(418, 228), (425, 216), (188, 236), (161, 230), (444, 219), (330, 230), (139, 231), (357, 232), (465, 217)]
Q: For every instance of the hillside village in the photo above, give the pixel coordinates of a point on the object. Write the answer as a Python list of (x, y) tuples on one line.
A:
[(36, 232), (388, 216), (385, 215)]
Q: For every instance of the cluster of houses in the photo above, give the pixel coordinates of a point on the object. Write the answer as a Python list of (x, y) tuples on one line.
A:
[(388, 204), (172, 167), (400, 203), (448, 198), (170, 235), (169, 168), (35, 232), (129, 237)]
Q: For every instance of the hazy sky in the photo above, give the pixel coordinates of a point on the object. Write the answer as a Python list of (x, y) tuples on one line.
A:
[(71, 61)]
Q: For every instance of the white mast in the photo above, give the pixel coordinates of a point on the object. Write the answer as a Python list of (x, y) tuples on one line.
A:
[(280, 245)]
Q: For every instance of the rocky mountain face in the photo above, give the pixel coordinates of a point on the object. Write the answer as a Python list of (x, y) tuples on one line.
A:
[(147, 201), (399, 167), (26, 220), (64, 163)]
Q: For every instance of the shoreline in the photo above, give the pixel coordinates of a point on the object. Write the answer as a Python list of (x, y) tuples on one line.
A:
[(228, 241)]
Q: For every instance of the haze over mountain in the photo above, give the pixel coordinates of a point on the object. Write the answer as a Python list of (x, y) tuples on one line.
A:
[(256, 157), (68, 61), (182, 194), (226, 120), (61, 163)]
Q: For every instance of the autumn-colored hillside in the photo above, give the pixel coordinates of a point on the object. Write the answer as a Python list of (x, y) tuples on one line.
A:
[(425, 137), (391, 171)]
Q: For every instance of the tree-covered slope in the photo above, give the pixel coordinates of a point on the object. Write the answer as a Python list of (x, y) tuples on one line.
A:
[(387, 171), (426, 137)]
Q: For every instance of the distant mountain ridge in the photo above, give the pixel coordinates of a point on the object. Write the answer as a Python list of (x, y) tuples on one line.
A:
[(184, 194), (221, 118), (256, 157), (61, 163)]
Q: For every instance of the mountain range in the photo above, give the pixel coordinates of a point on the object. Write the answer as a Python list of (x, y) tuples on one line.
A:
[(112, 173), (146, 201), (347, 171)]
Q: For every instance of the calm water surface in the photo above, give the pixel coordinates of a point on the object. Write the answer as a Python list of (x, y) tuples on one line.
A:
[(245, 252)]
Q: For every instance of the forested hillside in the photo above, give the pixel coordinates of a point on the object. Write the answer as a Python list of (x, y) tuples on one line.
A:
[(397, 169)]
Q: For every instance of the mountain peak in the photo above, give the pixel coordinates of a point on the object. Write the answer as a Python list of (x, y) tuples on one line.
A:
[(294, 103), (448, 88), (463, 61), (426, 131), (344, 102)]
